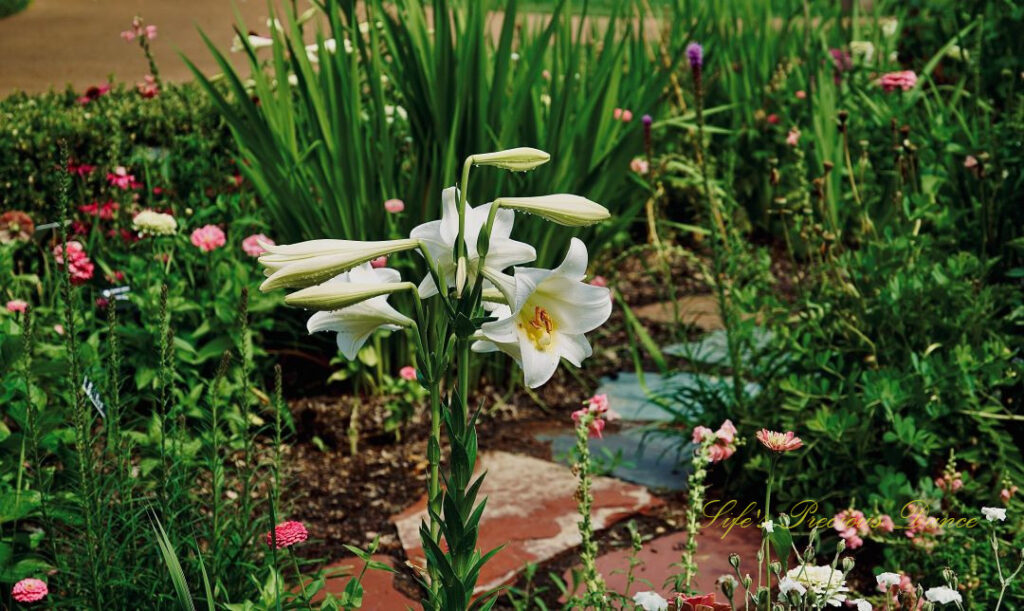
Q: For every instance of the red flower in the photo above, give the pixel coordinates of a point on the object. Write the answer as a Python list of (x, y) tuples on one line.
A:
[(287, 534)]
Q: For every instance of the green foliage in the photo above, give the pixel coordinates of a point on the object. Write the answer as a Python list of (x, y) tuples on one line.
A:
[(11, 7)]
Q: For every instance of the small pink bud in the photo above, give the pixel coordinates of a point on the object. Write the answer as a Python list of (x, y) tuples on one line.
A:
[(394, 206)]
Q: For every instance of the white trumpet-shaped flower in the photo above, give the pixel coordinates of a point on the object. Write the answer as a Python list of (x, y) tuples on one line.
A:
[(439, 237), (547, 317), (308, 263), (354, 324), (561, 208)]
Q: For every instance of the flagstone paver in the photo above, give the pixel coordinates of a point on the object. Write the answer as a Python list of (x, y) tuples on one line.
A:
[(713, 548), (531, 511), (700, 311), (379, 592)]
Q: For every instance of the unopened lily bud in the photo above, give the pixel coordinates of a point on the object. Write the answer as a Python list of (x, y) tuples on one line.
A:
[(518, 159), (747, 581), (840, 546), (562, 208), (460, 276), (848, 563), (338, 295), (308, 263)]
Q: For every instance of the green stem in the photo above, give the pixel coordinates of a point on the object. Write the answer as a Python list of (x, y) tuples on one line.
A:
[(302, 586)]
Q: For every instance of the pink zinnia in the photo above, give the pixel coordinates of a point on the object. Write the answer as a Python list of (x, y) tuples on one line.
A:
[(904, 79), (251, 244), (207, 238), (29, 590), (407, 373), (379, 262), (78, 263), (287, 534), (17, 305), (394, 205), (779, 442)]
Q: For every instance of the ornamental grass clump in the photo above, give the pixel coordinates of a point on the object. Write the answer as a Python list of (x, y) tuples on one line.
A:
[(536, 316)]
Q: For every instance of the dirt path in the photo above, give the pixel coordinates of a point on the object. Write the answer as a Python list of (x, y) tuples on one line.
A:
[(56, 42)]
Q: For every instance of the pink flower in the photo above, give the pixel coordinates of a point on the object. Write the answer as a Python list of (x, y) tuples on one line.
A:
[(82, 169), (394, 205), (720, 452), (128, 35), (598, 281), (207, 238), (700, 433), (148, 87), (121, 179), (793, 137), (1007, 493), (251, 245), (970, 162), (78, 263), (779, 442), (801, 95), (546, 74), (407, 373), (617, 113), (885, 524), (17, 305), (287, 534), (773, 119), (379, 262), (639, 165), (904, 79), (726, 432), (29, 590), (627, 116), (851, 526), (598, 403), (59, 329), (102, 302), (151, 32), (853, 542), (723, 439)]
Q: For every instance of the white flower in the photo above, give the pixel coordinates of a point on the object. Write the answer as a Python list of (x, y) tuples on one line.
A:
[(354, 324), (889, 26), (861, 604), (768, 526), (149, 222), (391, 111), (561, 208), (863, 49), (826, 583), (787, 585), (994, 513), (650, 601), (550, 312), (256, 42), (887, 580), (943, 595), (439, 237), (330, 45), (308, 263)]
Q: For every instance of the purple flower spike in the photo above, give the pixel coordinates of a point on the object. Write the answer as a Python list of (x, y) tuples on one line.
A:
[(695, 53)]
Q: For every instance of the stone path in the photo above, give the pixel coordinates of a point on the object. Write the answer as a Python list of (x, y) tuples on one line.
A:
[(379, 592), (531, 511)]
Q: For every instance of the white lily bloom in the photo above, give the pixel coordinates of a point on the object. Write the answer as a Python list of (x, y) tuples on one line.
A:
[(650, 601), (561, 208), (549, 314), (354, 324), (439, 237), (312, 262)]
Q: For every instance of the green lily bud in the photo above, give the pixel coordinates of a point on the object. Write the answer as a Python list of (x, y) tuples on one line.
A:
[(308, 263), (562, 208), (517, 160)]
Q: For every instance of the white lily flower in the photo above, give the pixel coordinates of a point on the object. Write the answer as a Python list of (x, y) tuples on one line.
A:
[(439, 237), (561, 208), (354, 324), (549, 314), (312, 262)]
